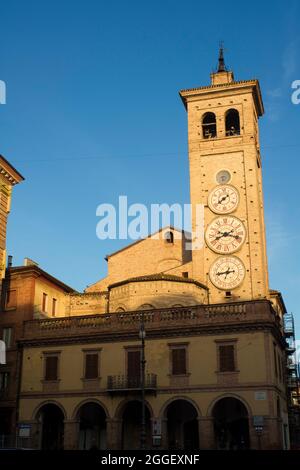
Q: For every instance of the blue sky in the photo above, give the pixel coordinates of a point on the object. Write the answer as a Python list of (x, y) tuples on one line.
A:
[(93, 112)]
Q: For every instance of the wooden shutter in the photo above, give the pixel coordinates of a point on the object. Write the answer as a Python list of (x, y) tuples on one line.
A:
[(91, 366), (133, 364), (226, 358), (179, 361), (51, 368)]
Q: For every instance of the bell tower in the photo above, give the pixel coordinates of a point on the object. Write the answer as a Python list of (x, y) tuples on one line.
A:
[(226, 178)]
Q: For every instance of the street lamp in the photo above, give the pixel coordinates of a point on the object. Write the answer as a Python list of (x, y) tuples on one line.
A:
[(142, 335)]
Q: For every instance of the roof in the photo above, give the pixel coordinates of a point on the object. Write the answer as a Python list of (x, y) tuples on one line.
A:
[(39, 272), (170, 227), (159, 277), (9, 171), (254, 83)]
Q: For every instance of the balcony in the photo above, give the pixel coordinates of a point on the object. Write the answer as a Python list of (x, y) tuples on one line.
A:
[(187, 320), (123, 383)]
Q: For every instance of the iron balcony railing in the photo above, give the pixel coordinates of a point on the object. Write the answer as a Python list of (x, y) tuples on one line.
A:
[(125, 382)]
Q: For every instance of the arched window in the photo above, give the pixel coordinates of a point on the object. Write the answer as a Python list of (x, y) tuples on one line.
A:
[(169, 237), (232, 122), (209, 126)]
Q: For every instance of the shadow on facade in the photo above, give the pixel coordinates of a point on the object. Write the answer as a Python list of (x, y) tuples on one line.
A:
[(92, 427), (231, 424), (51, 425), (182, 426), (131, 426)]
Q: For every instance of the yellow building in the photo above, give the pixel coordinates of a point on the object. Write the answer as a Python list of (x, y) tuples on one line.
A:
[(214, 348)]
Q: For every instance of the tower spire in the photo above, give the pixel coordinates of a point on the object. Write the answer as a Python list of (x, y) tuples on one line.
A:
[(221, 64)]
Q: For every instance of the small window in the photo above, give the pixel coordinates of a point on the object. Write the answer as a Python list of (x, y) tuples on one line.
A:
[(51, 367), (209, 126), (91, 366), (54, 304), (4, 379), (226, 358), (179, 361), (44, 302), (11, 299), (185, 274), (169, 237), (232, 122), (7, 336)]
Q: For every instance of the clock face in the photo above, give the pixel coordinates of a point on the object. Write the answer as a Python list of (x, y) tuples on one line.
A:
[(223, 199), (227, 272), (223, 177), (225, 234)]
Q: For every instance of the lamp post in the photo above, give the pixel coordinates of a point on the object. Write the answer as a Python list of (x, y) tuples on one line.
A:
[(142, 335)]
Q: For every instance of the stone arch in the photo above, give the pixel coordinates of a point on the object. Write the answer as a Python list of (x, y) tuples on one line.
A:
[(91, 417), (89, 400), (180, 397), (48, 402), (228, 395), (180, 418), (122, 405), (231, 423)]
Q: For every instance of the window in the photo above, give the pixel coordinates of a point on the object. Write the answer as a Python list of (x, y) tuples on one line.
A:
[(232, 122), (169, 237), (209, 126), (7, 336), (226, 358), (91, 365), (11, 299), (185, 274), (4, 378), (44, 302), (133, 364), (54, 304), (51, 367), (179, 361)]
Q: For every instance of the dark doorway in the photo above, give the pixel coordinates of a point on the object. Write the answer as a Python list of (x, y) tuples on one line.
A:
[(92, 427), (231, 425), (52, 427), (131, 426), (182, 426)]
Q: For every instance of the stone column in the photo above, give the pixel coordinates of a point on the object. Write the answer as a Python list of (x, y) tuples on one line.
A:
[(71, 434), (206, 433)]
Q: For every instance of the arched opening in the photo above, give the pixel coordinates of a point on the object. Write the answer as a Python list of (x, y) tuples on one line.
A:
[(232, 122), (182, 425), (231, 426), (132, 426), (209, 126), (92, 427), (169, 237), (120, 309), (146, 307), (51, 420)]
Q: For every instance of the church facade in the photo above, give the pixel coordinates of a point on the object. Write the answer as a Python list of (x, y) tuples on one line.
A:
[(215, 351)]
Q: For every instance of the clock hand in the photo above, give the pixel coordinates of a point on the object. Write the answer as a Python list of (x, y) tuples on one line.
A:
[(225, 272), (222, 199)]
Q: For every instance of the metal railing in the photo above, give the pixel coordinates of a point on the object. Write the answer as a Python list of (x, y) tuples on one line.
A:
[(125, 382)]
